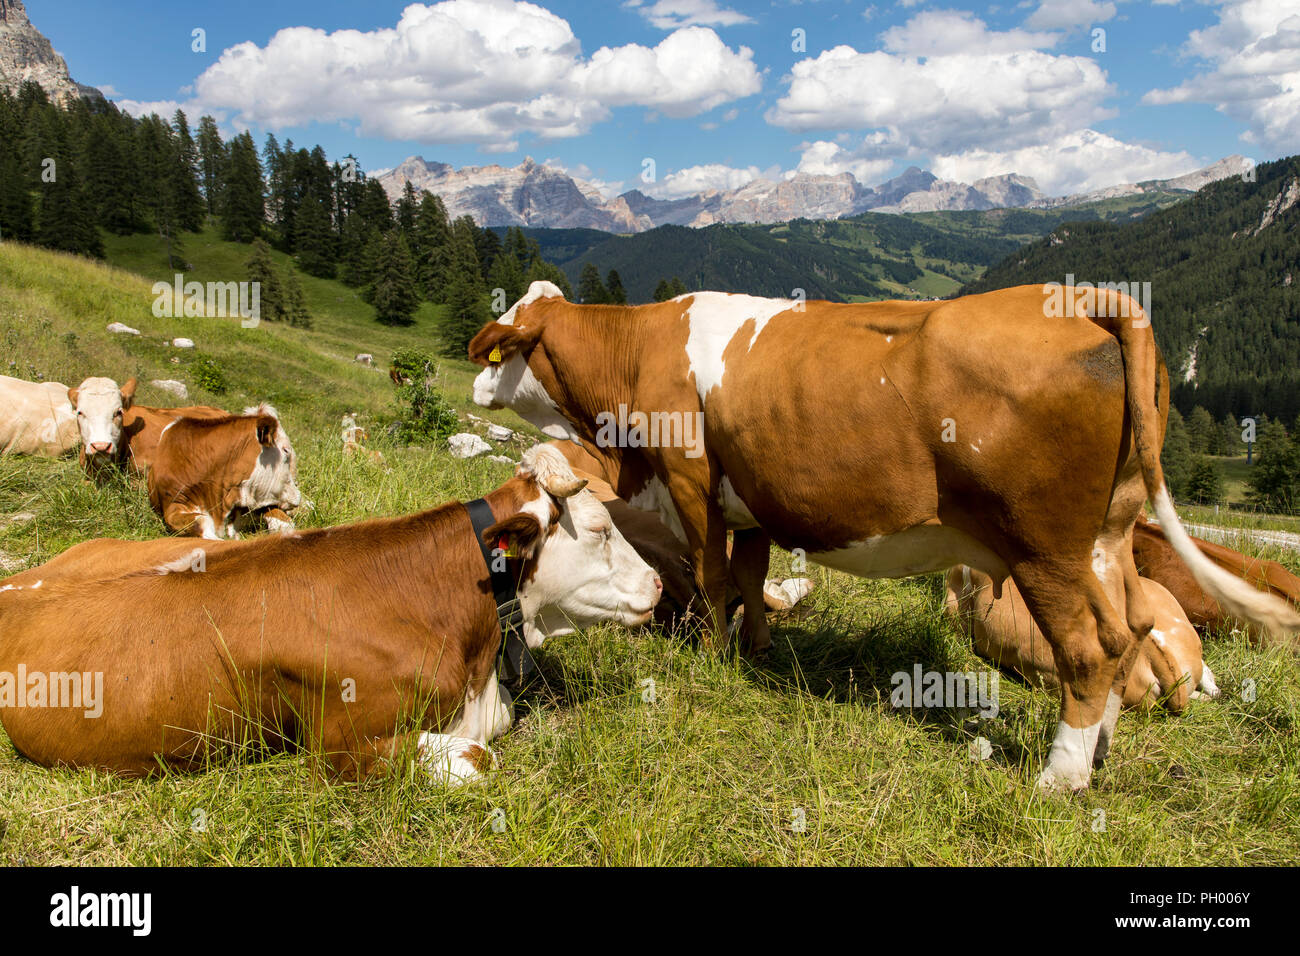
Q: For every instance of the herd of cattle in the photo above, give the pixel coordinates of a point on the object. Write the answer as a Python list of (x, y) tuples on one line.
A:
[(982, 435)]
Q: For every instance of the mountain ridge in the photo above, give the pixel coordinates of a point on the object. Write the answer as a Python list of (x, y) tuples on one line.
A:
[(537, 195)]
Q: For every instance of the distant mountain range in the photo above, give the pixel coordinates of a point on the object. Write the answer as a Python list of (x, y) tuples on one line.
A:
[(540, 196)]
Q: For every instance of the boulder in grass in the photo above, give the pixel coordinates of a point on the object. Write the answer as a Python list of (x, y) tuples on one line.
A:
[(119, 329), (500, 433), (183, 343), (466, 445), (171, 387), (503, 459)]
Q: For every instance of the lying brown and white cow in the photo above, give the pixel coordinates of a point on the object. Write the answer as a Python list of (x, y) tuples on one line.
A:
[(118, 434), (1156, 559), (207, 473), (36, 418), (659, 547), (1169, 668), (366, 642), (1018, 432)]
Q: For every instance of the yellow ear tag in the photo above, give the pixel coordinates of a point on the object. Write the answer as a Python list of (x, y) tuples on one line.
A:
[(507, 547), (495, 354)]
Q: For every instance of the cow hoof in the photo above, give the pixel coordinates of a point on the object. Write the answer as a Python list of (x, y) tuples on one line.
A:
[(454, 761), (1207, 686), (1052, 780)]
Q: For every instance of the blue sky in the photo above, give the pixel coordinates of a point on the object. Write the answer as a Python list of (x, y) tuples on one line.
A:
[(714, 92)]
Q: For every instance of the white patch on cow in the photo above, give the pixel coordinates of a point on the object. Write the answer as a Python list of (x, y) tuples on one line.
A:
[(1158, 636), (1207, 685), (1069, 762), (889, 338), (1109, 720), (882, 380), (714, 318), (734, 511), (274, 479), (655, 497), (446, 758), (540, 289), (279, 525), (484, 715), (207, 527), (20, 587), (917, 550)]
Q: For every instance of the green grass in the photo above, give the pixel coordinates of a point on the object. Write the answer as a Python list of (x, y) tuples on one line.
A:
[(715, 770)]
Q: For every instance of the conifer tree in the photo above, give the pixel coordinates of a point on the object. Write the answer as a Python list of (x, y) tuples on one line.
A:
[(395, 295), (243, 209)]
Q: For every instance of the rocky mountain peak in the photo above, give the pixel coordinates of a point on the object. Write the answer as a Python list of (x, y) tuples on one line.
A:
[(26, 55)]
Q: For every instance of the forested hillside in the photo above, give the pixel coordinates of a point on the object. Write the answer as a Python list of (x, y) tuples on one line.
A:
[(1224, 269), (869, 256)]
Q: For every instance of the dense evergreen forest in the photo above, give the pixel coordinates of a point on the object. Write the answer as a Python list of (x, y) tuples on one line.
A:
[(65, 174), (1224, 268)]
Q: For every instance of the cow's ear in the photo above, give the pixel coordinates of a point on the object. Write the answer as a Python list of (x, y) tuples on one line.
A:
[(72, 396), (517, 536), (128, 392), (497, 343), (267, 426)]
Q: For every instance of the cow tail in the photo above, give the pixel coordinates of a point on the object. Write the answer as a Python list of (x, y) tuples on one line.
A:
[(1124, 318)]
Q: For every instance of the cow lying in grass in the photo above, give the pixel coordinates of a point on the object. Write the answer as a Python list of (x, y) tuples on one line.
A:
[(1156, 559), (208, 473), (661, 548), (1169, 669), (365, 642), (35, 418)]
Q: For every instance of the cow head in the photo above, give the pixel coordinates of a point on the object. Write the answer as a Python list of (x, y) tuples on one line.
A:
[(100, 405), (274, 481), (578, 569), (503, 348)]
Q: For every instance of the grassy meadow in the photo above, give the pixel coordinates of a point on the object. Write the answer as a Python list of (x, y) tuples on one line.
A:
[(630, 747)]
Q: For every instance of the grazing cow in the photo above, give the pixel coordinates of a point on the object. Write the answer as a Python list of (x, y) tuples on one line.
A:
[(1017, 432), (1169, 668), (659, 547), (209, 472), (354, 439), (368, 642), (1157, 559), (36, 418), (117, 434)]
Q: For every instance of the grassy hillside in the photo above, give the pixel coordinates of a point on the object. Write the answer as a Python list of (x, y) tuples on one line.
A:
[(1225, 288), (715, 770), (870, 256)]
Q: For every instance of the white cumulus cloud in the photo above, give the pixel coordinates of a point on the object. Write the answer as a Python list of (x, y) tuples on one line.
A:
[(1251, 70), (671, 14), (470, 71), (698, 179), (1066, 14)]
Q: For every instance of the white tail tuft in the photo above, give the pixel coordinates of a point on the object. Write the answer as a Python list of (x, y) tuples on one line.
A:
[(1237, 597)]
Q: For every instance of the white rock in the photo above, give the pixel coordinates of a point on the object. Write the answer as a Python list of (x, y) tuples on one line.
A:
[(505, 460), (183, 343), (980, 749), (118, 327), (466, 445), (500, 433), (171, 386), (365, 358)]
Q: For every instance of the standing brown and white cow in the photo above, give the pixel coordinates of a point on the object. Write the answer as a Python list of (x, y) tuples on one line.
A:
[(209, 472), (366, 642), (1017, 432), (116, 433)]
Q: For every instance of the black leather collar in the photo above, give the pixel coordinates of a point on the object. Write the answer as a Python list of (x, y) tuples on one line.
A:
[(514, 662)]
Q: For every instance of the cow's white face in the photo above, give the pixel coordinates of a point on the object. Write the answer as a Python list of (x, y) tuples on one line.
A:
[(512, 384), (100, 405), (586, 572), (274, 481)]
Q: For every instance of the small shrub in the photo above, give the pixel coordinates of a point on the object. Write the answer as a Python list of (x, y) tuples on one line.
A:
[(425, 415), (208, 375)]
